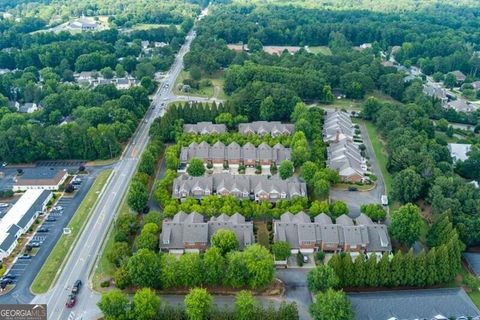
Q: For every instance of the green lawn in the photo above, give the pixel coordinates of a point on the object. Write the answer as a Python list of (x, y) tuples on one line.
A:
[(217, 81), (380, 154), (320, 49), (55, 260)]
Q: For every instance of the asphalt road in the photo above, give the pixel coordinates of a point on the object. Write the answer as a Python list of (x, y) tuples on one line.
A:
[(83, 256), (26, 270)]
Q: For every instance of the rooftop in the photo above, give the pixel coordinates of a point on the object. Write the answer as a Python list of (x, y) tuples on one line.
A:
[(47, 176)]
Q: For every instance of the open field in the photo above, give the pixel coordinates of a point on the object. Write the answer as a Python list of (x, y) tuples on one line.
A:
[(216, 90), (380, 154), (320, 49), (55, 260)]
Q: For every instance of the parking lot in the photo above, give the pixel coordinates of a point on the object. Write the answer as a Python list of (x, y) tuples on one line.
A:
[(25, 270)]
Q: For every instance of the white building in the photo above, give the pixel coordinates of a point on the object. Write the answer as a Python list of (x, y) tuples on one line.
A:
[(20, 218), (459, 151), (40, 179)]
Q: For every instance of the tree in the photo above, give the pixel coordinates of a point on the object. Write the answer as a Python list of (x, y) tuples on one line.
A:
[(254, 45), (406, 224), (119, 71), (226, 240), (198, 304), (286, 169), (245, 306), (318, 207), (450, 80), (374, 211), (144, 269), (331, 305), (236, 273), (407, 185), (281, 250), (137, 196), (322, 278), (153, 217), (107, 73), (170, 271), (259, 265), (148, 84), (190, 270), (214, 266), (118, 252), (114, 305), (267, 109), (195, 73), (196, 167), (146, 304), (321, 187), (307, 172), (145, 69), (147, 240), (338, 208), (69, 188)]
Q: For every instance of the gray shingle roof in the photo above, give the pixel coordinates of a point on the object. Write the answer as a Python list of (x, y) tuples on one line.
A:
[(412, 304), (204, 128), (274, 128)]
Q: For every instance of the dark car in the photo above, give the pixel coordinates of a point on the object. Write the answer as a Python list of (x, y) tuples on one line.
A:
[(71, 301), (9, 276), (42, 229), (24, 256), (76, 286), (51, 219), (6, 281)]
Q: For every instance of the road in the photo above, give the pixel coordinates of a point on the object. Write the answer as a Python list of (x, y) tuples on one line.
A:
[(83, 256)]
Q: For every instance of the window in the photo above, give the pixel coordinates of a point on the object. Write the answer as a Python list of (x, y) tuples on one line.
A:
[(166, 241)]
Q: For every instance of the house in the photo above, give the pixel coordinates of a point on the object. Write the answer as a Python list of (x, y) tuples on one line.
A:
[(363, 46), (345, 157), (204, 128), (461, 105), (395, 50), (123, 83), (338, 126), (437, 92), (29, 107), (434, 304), (475, 85), (160, 44), (190, 233), (274, 128), (459, 76), (459, 151), (20, 218), (242, 187), (84, 24), (43, 179), (249, 155), (305, 236)]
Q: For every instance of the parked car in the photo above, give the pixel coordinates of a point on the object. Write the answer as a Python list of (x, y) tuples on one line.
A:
[(6, 281), (51, 219), (351, 188), (25, 256), (76, 286), (305, 259), (71, 301), (4, 205), (42, 229), (9, 276), (34, 244), (60, 208)]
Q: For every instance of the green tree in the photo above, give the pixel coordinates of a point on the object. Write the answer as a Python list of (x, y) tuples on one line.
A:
[(287, 311), (245, 306), (374, 211), (259, 265), (409, 268), (122, 278), (331, 305), (153, 217), (114, 305), (214, 266), (196, 168), (281, 250), (322, 278), (118, 252), (321, 187), (338, 208), (267, 109), (397, 269), (137, 196), (226, 240), (195, 73), (144, 269), (190, 270), (406, 224), (198, 304), (285, 169), (371, 272), (450, 80), (107, 73), (384, 272), (147, 240), (170, 271), (119, 71), (327, 94), (407, 185), (254, 45), (146, 304), (359, 270), (307, 172), (236, 273)]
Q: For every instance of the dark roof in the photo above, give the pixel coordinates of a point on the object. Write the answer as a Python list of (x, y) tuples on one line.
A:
[(40, 176), (36, 207), (473, 260), (412, 304), (10, 239)]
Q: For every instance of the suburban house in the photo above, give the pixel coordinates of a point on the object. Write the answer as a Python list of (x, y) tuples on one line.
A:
[(461, 105), (342, 152), (190, 233), (459, 76), (40, 179), (436, 92), (84, 24), (459, 151), (204, 128), (475, 85), (29, 107), (20, 218), (345, 157), (240, 186), (218, 153), (305, 236), (274, 128), (93, 78)]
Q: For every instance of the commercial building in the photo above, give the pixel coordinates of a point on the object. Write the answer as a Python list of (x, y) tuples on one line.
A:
[(20, 218), (191, 233), (305, 236), (45, 179), (242, 187)]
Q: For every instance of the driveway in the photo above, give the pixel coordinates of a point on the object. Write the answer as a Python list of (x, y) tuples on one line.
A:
[(354, 199), (296, 289), (26, 270)]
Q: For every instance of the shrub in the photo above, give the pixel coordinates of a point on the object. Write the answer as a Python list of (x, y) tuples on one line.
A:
[(105, 284), (281, 250), (320, 256), (300, 259)]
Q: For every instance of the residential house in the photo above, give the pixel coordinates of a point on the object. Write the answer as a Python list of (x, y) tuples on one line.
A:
[(249, 155), (84, 24), (338, 126), (437, 92), (40, 179), (461, 105), (29, 107), (459, 76), (204, 128), (345, 157), (274, 128), (305, 236), (459, 151), (475, 85), (190, 233), (242, 187)]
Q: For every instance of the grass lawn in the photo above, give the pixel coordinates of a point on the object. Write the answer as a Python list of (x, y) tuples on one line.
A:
[(216, 88), (380, 154), (53, 265), (320, 49), (105, 162)]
